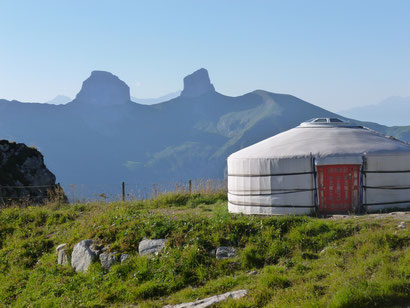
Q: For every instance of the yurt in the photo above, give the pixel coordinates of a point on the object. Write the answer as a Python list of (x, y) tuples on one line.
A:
[(323, 166)]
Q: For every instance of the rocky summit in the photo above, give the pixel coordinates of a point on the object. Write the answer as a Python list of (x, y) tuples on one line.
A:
[(103, 88), (197, 84), (24, 176)]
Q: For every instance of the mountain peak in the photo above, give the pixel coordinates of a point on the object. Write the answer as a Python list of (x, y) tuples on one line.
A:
[(59, 100), (197, 83), (103, 88)]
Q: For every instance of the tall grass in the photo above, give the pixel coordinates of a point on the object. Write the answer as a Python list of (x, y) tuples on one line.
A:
[(300, 261)]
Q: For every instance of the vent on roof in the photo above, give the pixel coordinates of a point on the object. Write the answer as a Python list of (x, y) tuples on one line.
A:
[(328, 122)]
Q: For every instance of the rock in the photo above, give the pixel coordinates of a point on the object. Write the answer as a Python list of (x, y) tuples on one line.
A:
[(105, 248), (103, 88), (124, 257), (108, 259), (146, 247), (84, 253), (323, 250), (197, 84), (62, 257), (24, 176), (225, 252), (253, 273), (402, 225), (206, 302), (98, 249)]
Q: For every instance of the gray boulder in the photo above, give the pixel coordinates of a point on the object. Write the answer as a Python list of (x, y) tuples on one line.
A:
[(62, 257), (147, 247), (108, 259), (124, 257), (84, 253), (225, 252)]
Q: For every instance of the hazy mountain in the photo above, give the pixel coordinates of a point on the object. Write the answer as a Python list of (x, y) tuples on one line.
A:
[(104, 137), (103, 89), (392, 111), (151, 101), (59, 100)]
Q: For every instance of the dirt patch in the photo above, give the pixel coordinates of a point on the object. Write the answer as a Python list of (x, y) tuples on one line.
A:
[(402, 216)]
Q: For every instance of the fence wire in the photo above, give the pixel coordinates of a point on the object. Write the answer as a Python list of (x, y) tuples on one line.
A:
[(113, 191)]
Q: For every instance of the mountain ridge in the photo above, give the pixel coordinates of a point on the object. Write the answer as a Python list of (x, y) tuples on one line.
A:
[(394, 107), (187, 137), (157, 100)]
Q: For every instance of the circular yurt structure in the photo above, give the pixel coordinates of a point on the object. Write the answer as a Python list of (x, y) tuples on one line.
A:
[(323, 166)]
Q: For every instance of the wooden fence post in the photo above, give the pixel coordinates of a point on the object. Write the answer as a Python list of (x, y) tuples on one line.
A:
[(123, 191), (190, 186)]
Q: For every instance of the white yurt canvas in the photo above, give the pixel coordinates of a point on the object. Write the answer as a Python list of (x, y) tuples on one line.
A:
[(323, 166)]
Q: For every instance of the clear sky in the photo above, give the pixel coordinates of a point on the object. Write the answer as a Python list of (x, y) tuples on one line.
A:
[(335, 54)]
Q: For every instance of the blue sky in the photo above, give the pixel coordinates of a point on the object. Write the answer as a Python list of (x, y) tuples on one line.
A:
[(335, 54)]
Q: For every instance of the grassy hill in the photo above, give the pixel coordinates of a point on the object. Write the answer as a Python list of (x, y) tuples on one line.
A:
[(300, 261)]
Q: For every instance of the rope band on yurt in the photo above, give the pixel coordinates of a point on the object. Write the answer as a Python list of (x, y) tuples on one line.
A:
[(387, 187), (275, 192), (315, 196), (361, 184), (266, 205), (385, 171), (382, 203), (273, 174)]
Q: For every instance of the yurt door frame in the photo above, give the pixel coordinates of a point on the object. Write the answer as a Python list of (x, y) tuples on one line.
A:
[(338, 188)]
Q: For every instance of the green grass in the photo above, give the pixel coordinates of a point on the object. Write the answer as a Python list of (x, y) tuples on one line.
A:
[(301, 261)]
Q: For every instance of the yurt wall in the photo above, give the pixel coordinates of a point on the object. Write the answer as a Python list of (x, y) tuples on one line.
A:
[(271, 186), (386, 182)]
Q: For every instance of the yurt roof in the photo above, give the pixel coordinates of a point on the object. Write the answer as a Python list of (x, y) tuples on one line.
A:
[(324, 137)]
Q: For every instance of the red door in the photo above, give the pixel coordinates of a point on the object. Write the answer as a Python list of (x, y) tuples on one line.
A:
[(338, 188)]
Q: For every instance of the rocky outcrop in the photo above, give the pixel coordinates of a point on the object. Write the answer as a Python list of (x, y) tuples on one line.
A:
[(24, 176), (147, 247), (62, 257), (87, 251), (197, 84), (103, 88), (108, 259), (225, 252), (206, 302), (84, 253)]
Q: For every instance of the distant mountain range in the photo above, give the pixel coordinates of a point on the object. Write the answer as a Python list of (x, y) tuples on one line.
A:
[(151, 101), (103, 137), (59, 100), (392, 111)]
